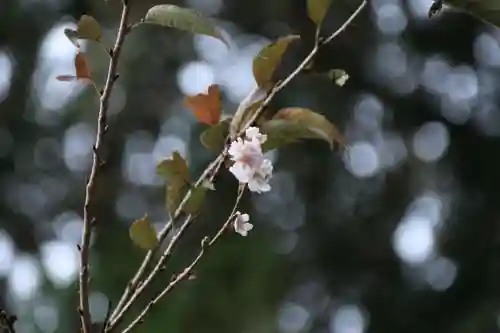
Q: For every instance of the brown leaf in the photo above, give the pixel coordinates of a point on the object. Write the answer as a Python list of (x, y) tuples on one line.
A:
[(206, 107), (81, 68)]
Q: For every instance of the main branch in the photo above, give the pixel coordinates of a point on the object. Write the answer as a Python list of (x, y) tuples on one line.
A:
[(97, 164)]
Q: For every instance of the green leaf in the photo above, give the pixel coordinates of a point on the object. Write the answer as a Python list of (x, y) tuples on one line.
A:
[(196, 200), (282, 132), (174, 170), (214, 137), (268, 60), (175, 193), (486, 10), (292, 124), (89, 28), (183, 19), (143, 234), (72, 35), (317, 10)]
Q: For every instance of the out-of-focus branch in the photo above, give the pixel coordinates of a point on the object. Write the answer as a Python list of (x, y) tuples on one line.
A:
[(97, 164), (206, 243)]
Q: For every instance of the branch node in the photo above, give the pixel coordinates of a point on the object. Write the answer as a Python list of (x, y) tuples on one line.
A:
[(204, 242)]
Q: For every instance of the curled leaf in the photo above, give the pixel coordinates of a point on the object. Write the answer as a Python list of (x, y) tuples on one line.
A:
[(143, 233), (317, 10), (314, 122), (88, 28), (282, 132), (268, 60), (214, 137), (174, 169), (196, 200), (183, 19), (206, 107)]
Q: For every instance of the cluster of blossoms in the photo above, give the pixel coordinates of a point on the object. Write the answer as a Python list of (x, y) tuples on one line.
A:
[(251, 168)]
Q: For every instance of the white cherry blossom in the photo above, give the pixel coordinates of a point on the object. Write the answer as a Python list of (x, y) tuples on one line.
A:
[(241, 224), (250, 167)]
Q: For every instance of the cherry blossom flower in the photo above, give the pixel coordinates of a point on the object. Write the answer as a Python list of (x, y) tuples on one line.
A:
[(250, 167), (241, 224), (254, 133)]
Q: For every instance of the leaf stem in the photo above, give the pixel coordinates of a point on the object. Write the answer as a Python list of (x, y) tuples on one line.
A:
[(88, 218)]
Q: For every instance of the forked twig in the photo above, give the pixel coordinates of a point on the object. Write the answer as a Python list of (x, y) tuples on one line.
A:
[(186, 273)]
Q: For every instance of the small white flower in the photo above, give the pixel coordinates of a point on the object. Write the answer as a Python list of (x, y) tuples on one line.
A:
[(254, 133), (250, 167), (241, 224)]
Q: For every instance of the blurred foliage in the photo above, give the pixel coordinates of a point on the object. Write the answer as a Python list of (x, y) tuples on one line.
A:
[(420, 111)]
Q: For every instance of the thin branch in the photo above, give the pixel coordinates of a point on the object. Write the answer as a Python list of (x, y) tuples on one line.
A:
[(317, 45), (186, 273), (135, 289), (97, 164)]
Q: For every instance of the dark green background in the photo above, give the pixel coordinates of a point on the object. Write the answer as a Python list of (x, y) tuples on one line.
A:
[(323, 238)]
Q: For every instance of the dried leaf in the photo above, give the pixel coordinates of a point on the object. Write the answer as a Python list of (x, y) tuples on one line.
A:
[(214, 137), (317, 10), (174, 170), (183, 19), (206, 107), (268, 60), (81, 68), (88, 28), (143, 233)]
